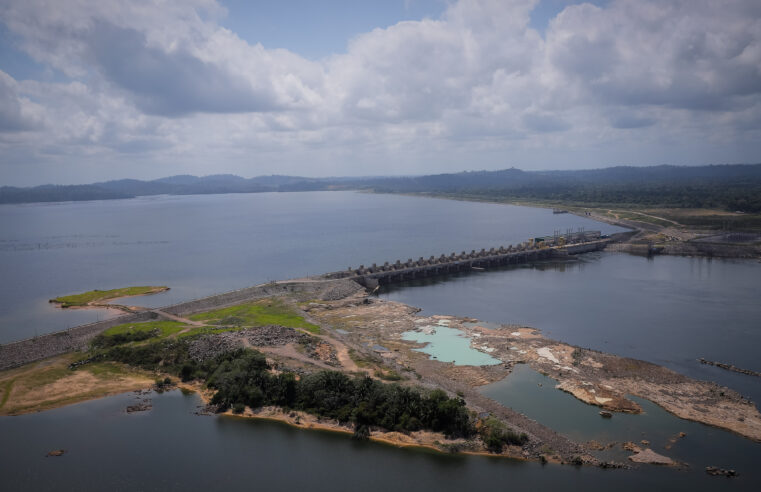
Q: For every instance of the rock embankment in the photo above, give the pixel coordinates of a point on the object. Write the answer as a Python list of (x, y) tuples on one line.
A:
[(730, 367), (17, 354), (210, 346), (649, 456), (720, 472)]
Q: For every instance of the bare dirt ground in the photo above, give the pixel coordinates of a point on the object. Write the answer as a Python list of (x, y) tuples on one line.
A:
[(594, 377), (658, 234), (179, 319), (288, 353)]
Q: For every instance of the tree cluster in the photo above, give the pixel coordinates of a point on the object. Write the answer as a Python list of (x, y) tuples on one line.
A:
[(496, 435), (243, 378), (103, 341)]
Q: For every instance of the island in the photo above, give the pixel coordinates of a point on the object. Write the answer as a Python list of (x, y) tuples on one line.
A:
[(101, 298)]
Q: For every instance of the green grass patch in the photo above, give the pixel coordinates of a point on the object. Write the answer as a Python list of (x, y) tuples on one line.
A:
[(207, 330), (260, 313), (137, 332), (314, 329), (105, 295), (164, 328)]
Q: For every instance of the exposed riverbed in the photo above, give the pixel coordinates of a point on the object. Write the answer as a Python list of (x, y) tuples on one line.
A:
[(667, 310)]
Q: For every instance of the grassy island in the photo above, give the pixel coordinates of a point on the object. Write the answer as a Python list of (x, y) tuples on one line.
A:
[(97, 297)]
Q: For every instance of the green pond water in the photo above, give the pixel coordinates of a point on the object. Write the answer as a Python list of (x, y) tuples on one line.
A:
[(447, 344)]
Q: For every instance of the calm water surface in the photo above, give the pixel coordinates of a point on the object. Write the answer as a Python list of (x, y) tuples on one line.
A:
[(533, 394), (169, 448)]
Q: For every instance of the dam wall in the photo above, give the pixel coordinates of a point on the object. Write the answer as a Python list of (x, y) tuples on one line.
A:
[(389, 273), (16, 354)]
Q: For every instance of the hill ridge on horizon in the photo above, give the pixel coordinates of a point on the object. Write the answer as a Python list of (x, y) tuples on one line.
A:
[(731, 186), (193, 177)]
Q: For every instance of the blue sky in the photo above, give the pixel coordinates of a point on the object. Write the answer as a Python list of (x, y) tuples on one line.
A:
[(104, 89), (319, 29)]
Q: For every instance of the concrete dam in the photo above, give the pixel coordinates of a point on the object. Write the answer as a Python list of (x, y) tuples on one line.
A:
[(536, 249)]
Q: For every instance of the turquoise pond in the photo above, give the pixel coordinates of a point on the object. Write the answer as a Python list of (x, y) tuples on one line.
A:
[(447, 344)]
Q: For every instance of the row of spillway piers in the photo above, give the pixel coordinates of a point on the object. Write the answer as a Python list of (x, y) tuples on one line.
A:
[(535, 249)]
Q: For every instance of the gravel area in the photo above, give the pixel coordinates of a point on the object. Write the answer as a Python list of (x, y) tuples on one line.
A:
[(210, 346)]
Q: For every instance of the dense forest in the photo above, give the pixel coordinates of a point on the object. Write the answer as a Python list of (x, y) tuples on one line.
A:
[(729, 197), (728, 187)]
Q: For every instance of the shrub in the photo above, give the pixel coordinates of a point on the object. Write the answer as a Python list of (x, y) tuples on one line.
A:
[(103, 341), (495, 435)]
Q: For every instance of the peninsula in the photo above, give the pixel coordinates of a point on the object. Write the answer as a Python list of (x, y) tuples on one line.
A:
[(101, 298)]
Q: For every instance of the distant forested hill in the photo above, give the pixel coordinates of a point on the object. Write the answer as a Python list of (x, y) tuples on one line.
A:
[(730, 187), (130, 188), (52, 193)]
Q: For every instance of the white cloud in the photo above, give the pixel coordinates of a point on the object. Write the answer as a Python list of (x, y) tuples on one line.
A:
[(17, 114), (476, 87)]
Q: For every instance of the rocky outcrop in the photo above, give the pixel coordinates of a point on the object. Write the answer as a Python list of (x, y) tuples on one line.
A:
[(210, 346), (651, 457)]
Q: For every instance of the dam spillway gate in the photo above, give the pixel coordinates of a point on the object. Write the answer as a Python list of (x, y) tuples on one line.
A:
[(537, 249)]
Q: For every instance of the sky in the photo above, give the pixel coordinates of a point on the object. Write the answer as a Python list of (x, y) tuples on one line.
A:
[(92, 90)]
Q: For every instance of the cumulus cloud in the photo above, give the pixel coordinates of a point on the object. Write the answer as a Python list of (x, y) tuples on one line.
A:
[(694, 55), (16, 113), (172, 83), (164, 79)]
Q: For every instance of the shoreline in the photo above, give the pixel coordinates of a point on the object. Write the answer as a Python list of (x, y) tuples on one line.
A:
[(305, 421)]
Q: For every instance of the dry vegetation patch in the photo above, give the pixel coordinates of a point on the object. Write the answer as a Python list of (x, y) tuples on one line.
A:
[(50, 384)]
